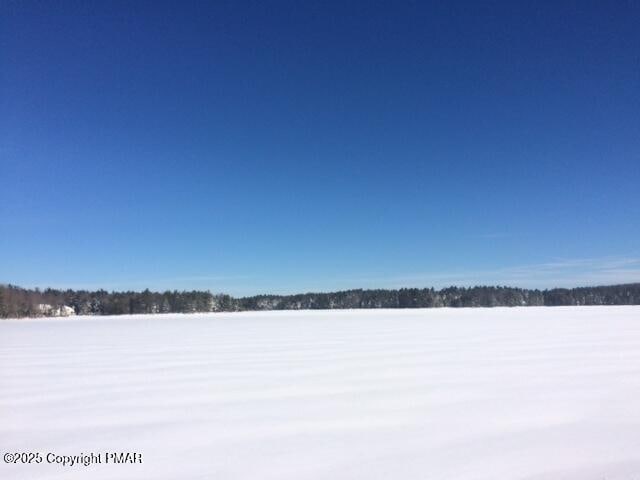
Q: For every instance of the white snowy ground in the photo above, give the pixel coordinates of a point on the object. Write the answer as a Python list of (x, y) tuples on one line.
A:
[(521, 393)]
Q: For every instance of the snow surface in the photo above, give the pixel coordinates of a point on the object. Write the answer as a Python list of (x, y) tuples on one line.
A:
[(520, 393)]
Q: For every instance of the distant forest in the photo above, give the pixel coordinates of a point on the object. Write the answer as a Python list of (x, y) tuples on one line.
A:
[(18, 302)]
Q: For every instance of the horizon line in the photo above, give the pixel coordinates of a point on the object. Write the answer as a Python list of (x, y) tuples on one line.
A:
[(318, 292)]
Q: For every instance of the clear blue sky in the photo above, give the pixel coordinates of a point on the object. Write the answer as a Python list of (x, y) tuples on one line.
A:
[(294, 146)]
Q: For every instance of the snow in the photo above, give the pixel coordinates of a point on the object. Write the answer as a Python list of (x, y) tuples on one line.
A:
[(520, 393), (61, 311)]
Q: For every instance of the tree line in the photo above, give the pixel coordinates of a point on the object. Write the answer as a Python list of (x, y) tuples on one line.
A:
[(16, 302)]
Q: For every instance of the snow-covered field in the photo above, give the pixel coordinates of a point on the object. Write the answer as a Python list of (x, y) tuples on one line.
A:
[(521, 393)]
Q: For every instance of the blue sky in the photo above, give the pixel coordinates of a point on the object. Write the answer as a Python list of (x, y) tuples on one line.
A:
[(292, 146)]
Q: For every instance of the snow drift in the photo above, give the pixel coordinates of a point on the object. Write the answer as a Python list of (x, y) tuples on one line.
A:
[(521, 393)]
